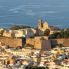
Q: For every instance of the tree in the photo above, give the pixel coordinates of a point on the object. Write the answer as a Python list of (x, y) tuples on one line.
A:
[(7, 47), (55, 35), (42, 38), (47, 32), (60, 45), (28, 45), (62, 33), (1, 32), (67, 33), (36, 67), (15, 27)]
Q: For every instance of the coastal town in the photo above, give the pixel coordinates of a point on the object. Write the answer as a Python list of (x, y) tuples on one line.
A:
[(43, 47)]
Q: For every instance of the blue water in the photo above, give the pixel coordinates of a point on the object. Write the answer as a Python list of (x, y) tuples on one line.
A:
[(27, 12)]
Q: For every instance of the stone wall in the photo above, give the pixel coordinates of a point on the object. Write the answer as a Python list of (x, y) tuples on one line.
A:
[(30, 41), (12, 42), (43, 44), (46, 44), (64, 42), (39, 43)]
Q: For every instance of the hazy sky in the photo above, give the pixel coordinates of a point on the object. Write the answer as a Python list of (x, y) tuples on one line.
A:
[(56, 12)]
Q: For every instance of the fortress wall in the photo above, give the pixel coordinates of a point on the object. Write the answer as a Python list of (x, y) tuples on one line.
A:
[(66, 43), (46, 44), (39, 43), (12, 42), (30, 41), (63, 41)]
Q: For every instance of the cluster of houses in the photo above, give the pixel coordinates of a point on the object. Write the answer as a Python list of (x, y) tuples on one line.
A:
[(30, 36), (57, 58), (28, 32), (30, 47)]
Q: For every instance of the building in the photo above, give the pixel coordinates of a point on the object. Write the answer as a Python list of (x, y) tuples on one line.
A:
[(39, 42), (64, 42), (40, 24), (19, 33), (46, 26), (27, 32), (11, 42), (8, 33), (42, 27)]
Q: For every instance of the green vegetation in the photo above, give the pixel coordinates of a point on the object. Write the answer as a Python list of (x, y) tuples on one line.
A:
[(16, 27), (28, 46), (47, 32), (1, 32), (42, 38), (61, 34), (59, 45), (35, 67)]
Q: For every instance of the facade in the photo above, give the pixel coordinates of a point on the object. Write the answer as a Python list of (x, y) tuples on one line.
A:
[(30, 41), (46, 26), (63, 41), (39, 42), (8, 33), (19, 33), (28, 32), (11, 42), (42, 27), (42, 44), (45, 43), (66, 43)]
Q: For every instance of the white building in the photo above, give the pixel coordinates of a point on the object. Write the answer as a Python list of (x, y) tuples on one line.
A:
[(8, 33), (28, 32)]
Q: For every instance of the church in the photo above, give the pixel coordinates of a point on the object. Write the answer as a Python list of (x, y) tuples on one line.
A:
[(42, 27)]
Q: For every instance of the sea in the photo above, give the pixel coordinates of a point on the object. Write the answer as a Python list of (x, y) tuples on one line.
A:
[(28, 12)]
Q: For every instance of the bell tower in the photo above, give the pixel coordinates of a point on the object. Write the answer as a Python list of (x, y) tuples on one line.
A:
[(40, 25)]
